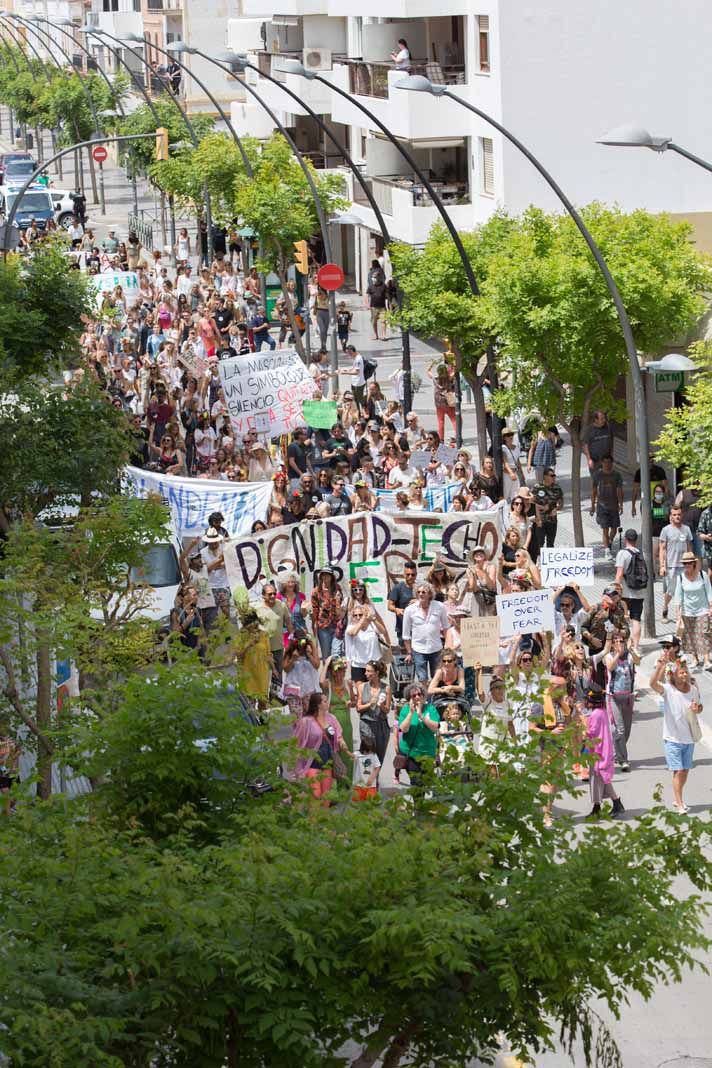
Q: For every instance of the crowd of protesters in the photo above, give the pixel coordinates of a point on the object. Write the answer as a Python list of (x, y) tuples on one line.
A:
[(394, 671)]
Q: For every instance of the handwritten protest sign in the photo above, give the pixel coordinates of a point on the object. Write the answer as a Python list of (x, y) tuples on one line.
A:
[(107, 281), (480, 641), (271, 384), (447, 454), (319, 414), (192, 500), (420, 458), (196, 364), (525, 613), (562, 566), (371, 546)]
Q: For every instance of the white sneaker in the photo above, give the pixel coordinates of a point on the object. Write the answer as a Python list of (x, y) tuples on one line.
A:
[(608, 556)]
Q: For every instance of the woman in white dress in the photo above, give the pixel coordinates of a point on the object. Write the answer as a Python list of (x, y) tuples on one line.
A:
[(512, 475)]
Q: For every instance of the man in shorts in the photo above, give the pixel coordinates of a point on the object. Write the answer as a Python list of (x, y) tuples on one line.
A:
[(675, 540), (607, 502)]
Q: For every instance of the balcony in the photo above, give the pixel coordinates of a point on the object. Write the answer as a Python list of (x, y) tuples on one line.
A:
[(411, 116), (407, 209), (371, 79), (398, 9)]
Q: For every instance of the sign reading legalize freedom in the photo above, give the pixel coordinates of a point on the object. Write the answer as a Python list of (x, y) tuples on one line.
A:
[(272, 385), (370, 546), (192, 500), (525, 613), (480, 641), (562, 566)]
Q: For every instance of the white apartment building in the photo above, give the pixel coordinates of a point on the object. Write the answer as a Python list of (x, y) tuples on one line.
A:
[(558, 73)]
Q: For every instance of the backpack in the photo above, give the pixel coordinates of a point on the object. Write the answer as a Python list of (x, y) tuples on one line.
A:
[(369, 368), (636, 576)]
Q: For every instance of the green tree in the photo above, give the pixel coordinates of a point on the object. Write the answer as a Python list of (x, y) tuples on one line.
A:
[(142, 153), (75, 592), (686, 438), (58, 446), (561, 344), (174, 918), (41, 307)]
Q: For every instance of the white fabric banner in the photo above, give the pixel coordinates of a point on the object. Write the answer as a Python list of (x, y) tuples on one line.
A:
[(191, 500), (369, 546), (266, 388)]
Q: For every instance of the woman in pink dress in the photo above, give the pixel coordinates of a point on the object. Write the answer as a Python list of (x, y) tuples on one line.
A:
[(319, 732), (600, 742)]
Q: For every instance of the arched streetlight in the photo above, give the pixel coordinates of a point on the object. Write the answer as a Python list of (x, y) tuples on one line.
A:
[(630, 136), (418, 83), (292, 66)]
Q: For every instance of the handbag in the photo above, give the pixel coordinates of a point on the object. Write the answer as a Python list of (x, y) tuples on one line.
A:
[(386, 651), (451, 399), (693, 722)]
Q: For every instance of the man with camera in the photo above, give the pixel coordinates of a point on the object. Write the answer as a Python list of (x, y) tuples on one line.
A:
[(548, 502)]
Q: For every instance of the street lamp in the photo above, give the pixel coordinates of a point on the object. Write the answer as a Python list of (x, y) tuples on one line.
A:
[(293, 66), (630, 136), (674, 361), (419, 84)]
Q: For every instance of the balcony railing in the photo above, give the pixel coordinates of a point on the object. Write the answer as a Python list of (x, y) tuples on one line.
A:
[(270, 62), (371, 79), (450, 192)]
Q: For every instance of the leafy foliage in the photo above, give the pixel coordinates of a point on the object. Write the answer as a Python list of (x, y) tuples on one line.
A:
[(41, 304), (686, 438), (59, 446), (142, 120)]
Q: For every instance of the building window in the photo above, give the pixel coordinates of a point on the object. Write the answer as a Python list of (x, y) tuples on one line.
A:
[(137, 5), (111, 5), (483, 45), (487, 157)]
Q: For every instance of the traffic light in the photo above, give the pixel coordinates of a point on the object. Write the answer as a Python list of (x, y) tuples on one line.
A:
[(161, 143), (301, 257)]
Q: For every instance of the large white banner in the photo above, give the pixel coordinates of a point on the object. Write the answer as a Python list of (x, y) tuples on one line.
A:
[(369, 546), (264, 391), (192, 500), (107, 281)]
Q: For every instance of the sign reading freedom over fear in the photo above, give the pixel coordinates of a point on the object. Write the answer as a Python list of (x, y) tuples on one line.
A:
[(270, 384), (525, 613), (370, 546)]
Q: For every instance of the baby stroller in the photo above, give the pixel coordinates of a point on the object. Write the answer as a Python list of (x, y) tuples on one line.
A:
[(400, 675)]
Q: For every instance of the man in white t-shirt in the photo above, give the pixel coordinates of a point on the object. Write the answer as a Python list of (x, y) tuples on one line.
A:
[(359, 383), (633, 598), (681, 704), (675, 539), (402, 476)]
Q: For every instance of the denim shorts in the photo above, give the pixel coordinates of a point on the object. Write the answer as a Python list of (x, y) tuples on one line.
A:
[(678, 755)]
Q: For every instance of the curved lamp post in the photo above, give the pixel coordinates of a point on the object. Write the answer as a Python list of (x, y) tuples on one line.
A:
[(234, 59), (101, 34), (630, 136), (295, 67), (45, 37), (420, 84), (228, 60)]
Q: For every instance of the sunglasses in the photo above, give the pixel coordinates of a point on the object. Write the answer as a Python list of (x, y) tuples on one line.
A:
[(525, 660)]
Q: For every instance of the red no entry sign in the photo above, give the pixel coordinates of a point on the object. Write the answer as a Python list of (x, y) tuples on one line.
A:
[(99, 153), (330, 276)]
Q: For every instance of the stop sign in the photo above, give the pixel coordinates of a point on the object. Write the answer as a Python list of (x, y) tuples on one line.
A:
[(330, 276), (99, 153)]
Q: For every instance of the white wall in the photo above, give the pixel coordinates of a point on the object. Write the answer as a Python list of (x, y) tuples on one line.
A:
[(320, 31), (205, 26), (571, 71), (379, 40)]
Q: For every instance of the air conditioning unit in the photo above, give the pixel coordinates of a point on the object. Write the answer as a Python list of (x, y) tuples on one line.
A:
[(317, 58)]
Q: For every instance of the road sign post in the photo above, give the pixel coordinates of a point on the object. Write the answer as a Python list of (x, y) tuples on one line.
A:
[(330, 277), (99, 154)]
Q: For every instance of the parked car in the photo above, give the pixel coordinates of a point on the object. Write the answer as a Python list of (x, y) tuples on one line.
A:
[(8, 157), (19, 170), (63, 206), (36, 204)]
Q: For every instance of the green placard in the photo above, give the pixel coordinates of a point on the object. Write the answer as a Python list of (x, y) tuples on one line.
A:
[(669, 381), (319, 414)]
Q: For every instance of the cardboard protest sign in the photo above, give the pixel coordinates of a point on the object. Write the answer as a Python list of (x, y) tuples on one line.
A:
[(480, 641), (561, 566), (525, 613), (370, 546), (271, 384), (192, 500), (197, 365), (319, 414), (420, 458)]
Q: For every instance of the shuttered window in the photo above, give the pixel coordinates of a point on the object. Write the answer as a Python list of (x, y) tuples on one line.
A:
[(484, 43), (487, 155)]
